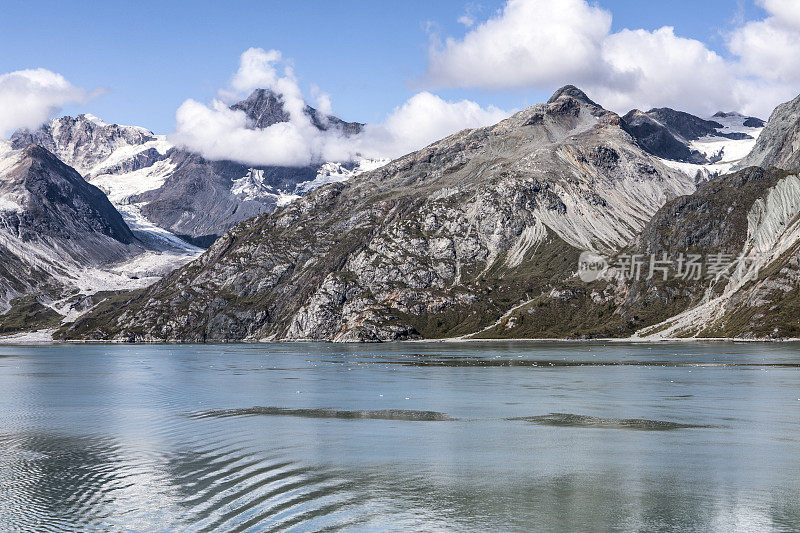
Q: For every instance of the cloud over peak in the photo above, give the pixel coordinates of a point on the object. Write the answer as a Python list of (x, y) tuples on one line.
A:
[(28, 98), (216, 131), (542, 44)]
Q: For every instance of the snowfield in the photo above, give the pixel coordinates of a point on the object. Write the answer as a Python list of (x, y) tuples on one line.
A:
[(728, 152)]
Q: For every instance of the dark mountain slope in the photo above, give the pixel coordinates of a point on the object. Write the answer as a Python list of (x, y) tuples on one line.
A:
[(54, 228)]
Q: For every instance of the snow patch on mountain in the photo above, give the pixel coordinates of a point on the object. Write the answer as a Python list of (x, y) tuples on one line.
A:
[(166, 251), (115, 160), (8, 159), (724, 152), (121, 187), (252, 186), (7, 204), (337, 172)]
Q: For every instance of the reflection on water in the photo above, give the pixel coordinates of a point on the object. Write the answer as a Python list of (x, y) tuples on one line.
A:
[(473, 437), (584, 421), (378, 414)]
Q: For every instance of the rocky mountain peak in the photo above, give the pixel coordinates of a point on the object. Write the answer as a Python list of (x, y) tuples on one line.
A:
[(684, 125), (779, 143), (82, 141), (573, 92), (54, 197), (657, 138), (34, 151), (264, 107)]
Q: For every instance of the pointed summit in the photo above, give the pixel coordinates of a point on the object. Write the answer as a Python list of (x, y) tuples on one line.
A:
[(574, 92), (265, 108), (54, 201)]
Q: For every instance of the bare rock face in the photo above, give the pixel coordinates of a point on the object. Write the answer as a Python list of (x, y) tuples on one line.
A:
[(53, 225), (750, 220), (442, 242), (688, 127), (657, 139), (779, 143), (54, 201)]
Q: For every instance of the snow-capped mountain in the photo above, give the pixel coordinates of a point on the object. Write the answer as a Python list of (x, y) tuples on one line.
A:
[(163, 200), (477, 234), (156, 184), (61, 238), (480, 234), (701, 148), (93, 147)]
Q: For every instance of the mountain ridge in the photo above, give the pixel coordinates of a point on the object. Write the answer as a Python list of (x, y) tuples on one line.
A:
[(779, 143), (478, 235), (433, 234), (184, 193)]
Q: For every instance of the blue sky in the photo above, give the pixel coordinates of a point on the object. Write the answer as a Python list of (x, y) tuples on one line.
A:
[(369, 56)]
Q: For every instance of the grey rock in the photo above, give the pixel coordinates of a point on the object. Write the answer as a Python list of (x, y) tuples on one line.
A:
[(779, 143), (265, 108), (658, 139)]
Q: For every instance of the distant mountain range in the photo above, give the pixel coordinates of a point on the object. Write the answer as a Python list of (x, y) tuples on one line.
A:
[(169, 204), (477, 235), (669, 134), (184, 193)]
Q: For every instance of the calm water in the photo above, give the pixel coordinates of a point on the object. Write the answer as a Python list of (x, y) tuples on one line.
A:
[(421, 437)]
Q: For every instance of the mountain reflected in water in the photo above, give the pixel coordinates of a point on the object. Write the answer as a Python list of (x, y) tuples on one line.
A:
[(317, 436)]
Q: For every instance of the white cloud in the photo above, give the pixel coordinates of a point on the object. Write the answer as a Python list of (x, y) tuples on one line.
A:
[(423, 119), (770, 48), (28, 98), (543, 44), (786, 12), (466, 20), (256, 69), (531, 42), (322, 101), (218, 132), (660, 69)]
